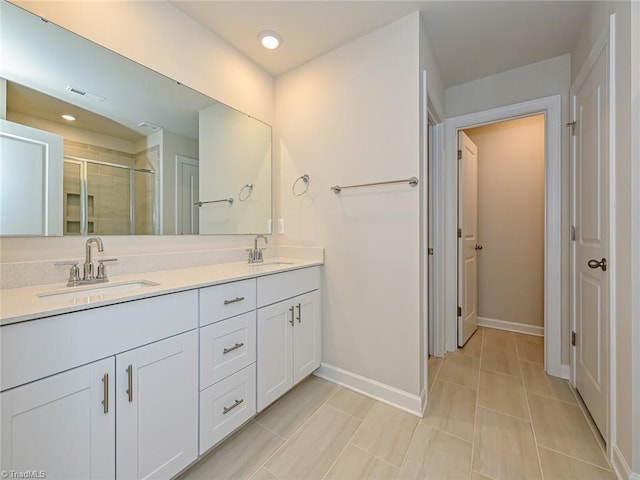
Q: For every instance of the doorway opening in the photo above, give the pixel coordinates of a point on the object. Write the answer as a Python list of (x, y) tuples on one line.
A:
[(501, 223), (555, 332)]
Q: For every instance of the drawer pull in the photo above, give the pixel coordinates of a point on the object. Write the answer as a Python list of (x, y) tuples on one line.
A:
[(130, 382), (299, 317), (291, 321), (231, 349), (235, 300), (105, 392), (226, 410)]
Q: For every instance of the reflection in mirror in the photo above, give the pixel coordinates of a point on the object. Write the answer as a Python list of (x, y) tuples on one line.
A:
[(141, 154)]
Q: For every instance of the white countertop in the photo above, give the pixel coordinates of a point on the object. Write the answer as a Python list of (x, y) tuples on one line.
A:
[(23, 304)]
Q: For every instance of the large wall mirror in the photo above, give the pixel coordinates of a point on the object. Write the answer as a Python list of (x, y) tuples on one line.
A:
[(92, 143)]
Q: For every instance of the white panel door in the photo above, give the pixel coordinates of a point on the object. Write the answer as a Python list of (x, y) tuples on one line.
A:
[(275, 351), (157, 401), (468, 240), (187, 195), (306, 335), (61, 425), (591, 276), (30, 181)]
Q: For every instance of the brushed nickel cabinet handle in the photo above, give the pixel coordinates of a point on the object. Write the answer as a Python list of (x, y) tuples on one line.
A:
[(235, 300), (299, 306), (105, 392), (231, 349), (130, 382), (226, 410), (291, 321)]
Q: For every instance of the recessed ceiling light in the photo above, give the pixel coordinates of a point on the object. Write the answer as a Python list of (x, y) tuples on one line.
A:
[(69, 118), (270, 39)]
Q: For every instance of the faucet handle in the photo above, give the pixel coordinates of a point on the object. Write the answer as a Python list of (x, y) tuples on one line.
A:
[(102, 272), (74, 272)]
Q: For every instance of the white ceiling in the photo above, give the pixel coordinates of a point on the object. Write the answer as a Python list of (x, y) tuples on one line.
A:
[(471, 39)]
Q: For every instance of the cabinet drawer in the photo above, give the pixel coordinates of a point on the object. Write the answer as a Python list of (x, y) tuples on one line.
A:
[(280, 286), (226, 405), (226, 347), (227, 300)]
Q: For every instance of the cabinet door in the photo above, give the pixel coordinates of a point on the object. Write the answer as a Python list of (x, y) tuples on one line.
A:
[(157, 401), (306, 335), (61, 425), (275, 352)]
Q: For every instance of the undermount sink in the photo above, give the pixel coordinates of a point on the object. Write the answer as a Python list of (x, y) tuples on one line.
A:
[(90, 292), (270, 264)]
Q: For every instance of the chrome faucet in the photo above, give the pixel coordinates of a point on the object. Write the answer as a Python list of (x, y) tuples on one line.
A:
[(88, 276), (255, 255), (88, 264)]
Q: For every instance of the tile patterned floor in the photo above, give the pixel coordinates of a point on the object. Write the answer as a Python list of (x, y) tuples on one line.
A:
[(493, 414)]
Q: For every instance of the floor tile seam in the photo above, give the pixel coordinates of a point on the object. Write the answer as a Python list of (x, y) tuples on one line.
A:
[(377, 457), (590, 422), (435, 377), (456, 384), (574, 405), (426, 425), (264, 466), (515, 417), (269, 430), (533, 430), (475, 411), (293, 435), (335, 460), (582, 460), (548, 397), (494, 371), (406, 452), (347, 413)]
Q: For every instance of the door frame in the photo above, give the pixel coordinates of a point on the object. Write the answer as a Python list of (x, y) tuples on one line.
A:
[(181, 160), (606, 40), (551, 108)]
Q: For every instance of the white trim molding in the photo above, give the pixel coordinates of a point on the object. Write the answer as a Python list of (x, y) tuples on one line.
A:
[(620, 466), (410, 403), (511, 326), (551, 107)]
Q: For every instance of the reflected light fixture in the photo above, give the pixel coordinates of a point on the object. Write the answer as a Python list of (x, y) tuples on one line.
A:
[(69, 118), (270, 39)]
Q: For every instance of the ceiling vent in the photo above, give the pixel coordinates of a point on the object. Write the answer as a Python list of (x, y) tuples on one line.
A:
[(92, 96)]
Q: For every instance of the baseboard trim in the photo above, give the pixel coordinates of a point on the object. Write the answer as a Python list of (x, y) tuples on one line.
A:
[(620, 466), (511, 326), (395, 397)]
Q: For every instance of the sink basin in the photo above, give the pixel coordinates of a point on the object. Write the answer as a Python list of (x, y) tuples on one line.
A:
[(94, 292), (270, 264)]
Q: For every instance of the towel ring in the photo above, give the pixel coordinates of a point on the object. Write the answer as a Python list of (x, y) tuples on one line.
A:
[(249, 189), (305, 179)]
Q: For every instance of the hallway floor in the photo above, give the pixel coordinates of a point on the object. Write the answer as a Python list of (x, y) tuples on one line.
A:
[(493, 414)]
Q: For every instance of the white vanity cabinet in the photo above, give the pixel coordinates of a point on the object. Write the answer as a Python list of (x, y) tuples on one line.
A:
[(288, 331), (156, 408), (142, 356), (63, 425), (227, 359)]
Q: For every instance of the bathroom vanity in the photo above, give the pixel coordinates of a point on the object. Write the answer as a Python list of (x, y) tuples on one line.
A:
[(138, 382)]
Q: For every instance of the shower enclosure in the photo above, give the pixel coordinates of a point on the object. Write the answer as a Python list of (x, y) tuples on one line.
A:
[(107, 199)]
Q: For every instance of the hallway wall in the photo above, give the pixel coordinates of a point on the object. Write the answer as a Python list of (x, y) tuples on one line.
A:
[(511, 161)]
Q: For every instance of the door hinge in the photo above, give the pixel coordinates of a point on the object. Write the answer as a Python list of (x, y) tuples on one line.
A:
[(429, 251), (573, 233), (573, 339), (459, 311), (459, 233), (459, 154), (572, 126)]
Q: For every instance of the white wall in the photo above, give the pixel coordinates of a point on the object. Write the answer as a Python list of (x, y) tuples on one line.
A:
[(349, 117), (625, 446), (159, 36), (538, 80)]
